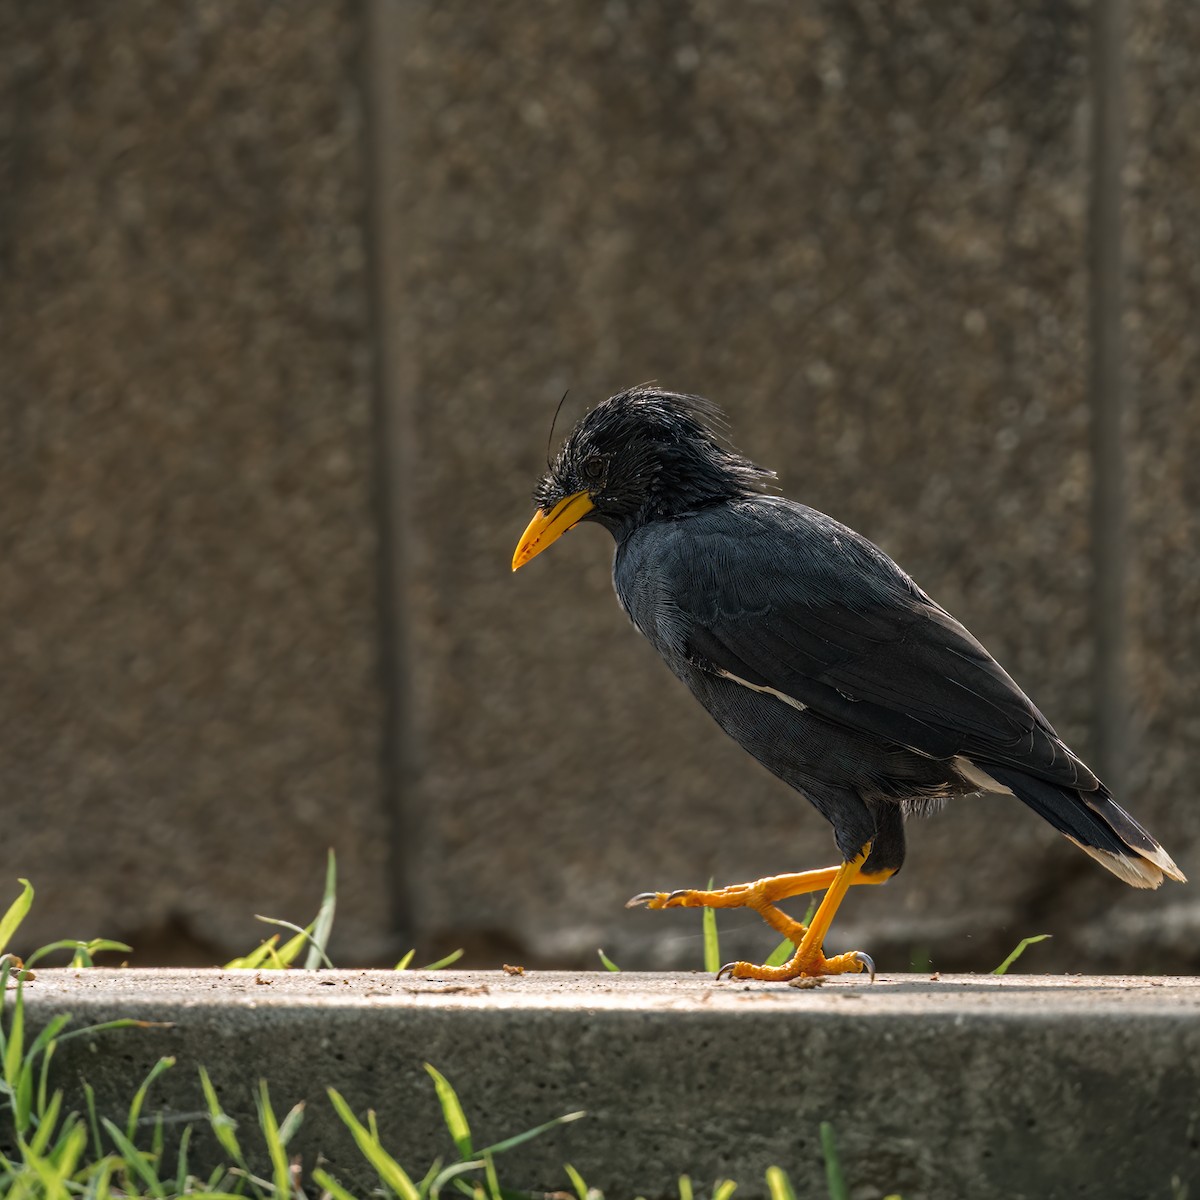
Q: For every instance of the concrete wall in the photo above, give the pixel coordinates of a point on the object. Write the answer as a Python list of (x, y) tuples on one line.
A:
[(289, 301), (1024, 1087)]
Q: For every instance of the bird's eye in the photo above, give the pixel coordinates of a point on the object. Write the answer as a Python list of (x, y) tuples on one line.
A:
[(593, 468)]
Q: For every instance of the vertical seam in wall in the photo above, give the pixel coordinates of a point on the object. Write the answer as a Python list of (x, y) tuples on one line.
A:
[(379, 70), (1107, 390)]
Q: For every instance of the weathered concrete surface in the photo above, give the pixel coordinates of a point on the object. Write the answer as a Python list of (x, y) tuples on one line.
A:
[(189, 690), (1021, 1087), (861, 228)]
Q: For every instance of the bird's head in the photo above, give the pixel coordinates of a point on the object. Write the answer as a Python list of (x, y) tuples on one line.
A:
[(643, 455)]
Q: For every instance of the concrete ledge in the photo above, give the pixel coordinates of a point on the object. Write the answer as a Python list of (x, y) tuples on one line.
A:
[(963, 1086)]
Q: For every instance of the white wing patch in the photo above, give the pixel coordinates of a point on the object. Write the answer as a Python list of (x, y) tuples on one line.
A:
[(977, 777), (770, 691)]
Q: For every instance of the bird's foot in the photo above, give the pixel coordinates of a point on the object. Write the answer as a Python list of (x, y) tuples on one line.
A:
[(810, 965)]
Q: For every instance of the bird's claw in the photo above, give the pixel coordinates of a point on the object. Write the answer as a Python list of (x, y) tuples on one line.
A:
[(868, 963), (676, 899)]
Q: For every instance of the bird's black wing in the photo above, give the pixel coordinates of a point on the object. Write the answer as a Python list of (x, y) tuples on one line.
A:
[(787, 600)]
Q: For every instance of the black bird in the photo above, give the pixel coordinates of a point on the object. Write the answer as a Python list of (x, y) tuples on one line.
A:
[(818, 655)]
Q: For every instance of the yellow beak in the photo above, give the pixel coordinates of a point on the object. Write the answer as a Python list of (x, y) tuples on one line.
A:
[(547, 527)]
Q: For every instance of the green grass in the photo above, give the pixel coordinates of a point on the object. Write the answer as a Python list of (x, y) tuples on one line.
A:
[(269, 955), (607, 962), (1022, 946), (65, 1155)]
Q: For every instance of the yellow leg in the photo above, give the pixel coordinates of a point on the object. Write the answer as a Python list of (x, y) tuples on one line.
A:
[(809, 959), (778, 920), (754, 895), (761, 896)]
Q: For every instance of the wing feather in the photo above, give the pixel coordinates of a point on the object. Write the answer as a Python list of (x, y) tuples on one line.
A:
[(789, 599)]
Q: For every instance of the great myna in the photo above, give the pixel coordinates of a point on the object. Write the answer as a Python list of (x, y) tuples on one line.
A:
[(818, 655)]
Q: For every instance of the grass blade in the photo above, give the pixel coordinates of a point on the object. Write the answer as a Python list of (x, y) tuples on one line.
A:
[(427, 1179), (222, 1126), (90, 1096), (291, 1123), (14, 1048), (449, 1174), (43, 1039), (69, 1151), (275, 1146), (452, 1111), (303, 935), (787, 948), (181, 1157), (281, 959), (41, 1139), (81, 950), (403, 964), (387, 1168), (323, 925), (609, 965), (17, 1075), (452, 957), (712, 947), (577, 1183), (43, 1077), (119, 1023), (833, 1168), (17, 912), (1022, 946), (493, 1181), (724, 1189), (134, 1158), (139, 1097), (286, 955), (780, 954), (331, 1185), (779, 1186), (518, 1139), (256, 957)]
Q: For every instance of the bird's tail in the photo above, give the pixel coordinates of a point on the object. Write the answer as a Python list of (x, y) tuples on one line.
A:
[(1098, 825)]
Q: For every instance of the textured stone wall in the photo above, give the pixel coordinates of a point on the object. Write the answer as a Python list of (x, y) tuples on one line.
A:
[(1163, 323), (861, 228), (189, 698)]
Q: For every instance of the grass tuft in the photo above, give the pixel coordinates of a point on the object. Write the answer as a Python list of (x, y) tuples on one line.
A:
[(270, 956)]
